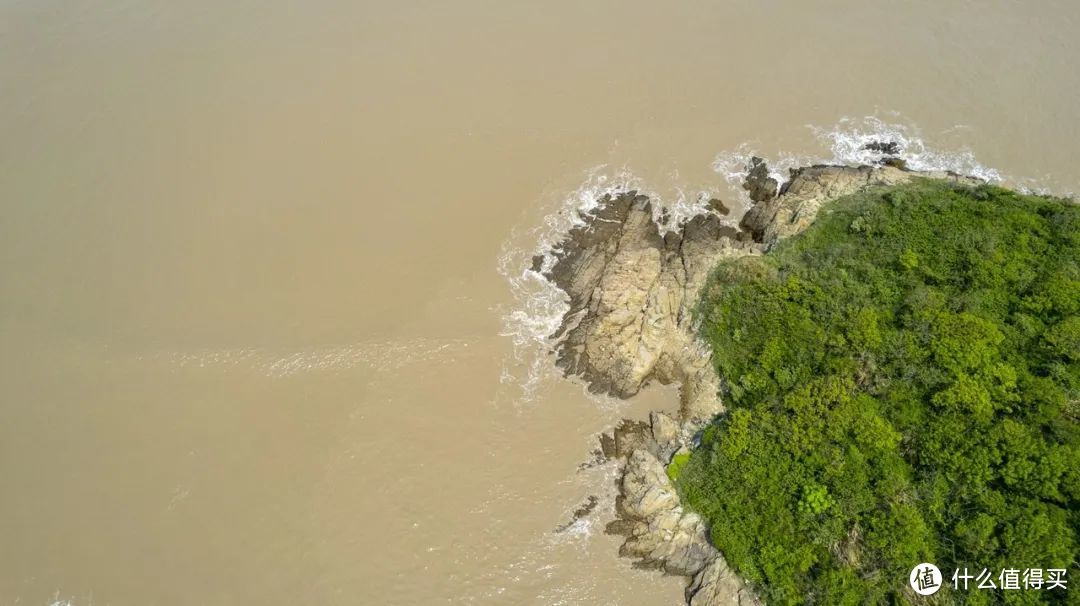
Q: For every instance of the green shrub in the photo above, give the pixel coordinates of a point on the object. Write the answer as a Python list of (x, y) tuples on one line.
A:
[(903, 382), (676, 465)]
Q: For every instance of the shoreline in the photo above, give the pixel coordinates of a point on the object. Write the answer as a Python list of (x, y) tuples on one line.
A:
[(633, 290)]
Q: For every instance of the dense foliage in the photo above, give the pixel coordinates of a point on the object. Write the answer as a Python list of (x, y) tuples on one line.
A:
[(903, 382)]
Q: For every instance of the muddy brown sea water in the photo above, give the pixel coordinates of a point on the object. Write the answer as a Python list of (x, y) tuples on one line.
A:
[(265, 335)]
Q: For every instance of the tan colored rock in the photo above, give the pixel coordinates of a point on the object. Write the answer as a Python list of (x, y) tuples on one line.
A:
[(718, 585), (631, 291), (629, 436), (646, 489), (659, 531), (665, 430)]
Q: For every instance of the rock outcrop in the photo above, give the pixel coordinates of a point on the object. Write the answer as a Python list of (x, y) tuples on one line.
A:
[(632, 291), (759, 184), (659, 532), (717, 584), (662, 534), (810, 188)]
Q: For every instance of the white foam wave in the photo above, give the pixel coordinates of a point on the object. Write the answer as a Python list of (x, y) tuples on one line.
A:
[(61, 601), (848, 139), (848, 142), (733, 166), (539, 305)]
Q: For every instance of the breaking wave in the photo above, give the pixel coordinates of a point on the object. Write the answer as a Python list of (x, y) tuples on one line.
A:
[(856, 141), (539, 305), (851, 138)]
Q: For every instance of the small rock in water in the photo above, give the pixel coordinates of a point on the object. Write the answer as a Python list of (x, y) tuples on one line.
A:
[(761, 186), (585, 509), (716, 205), (607, 446), (596, 458), (537, 263), (889, 148)]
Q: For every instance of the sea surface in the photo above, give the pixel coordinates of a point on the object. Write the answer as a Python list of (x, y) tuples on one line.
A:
[(266, 330)]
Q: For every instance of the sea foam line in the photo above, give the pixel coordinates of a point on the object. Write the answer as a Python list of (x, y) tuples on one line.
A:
[(848, 140), (381, 356), (539, 305)]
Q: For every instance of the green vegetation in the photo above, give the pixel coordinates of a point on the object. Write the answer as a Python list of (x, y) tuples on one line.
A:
[(903, 383), (674, 469)]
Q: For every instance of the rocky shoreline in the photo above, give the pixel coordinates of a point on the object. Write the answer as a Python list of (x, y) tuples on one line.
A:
[(632, 290)]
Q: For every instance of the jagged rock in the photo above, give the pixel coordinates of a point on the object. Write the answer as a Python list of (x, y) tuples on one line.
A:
[(596, 458), (667, 433), (537, 263), (631, 291), (631, 435), (621, 526), (583, 510), (757, 219), (607, 446), (646, 489), (664, 429), (660, 533), (890, 148), (761, 186), (717, 206), (895, 162), (717, 585)]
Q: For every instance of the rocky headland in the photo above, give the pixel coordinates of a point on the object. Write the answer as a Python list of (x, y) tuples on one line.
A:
[(632, 290)]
